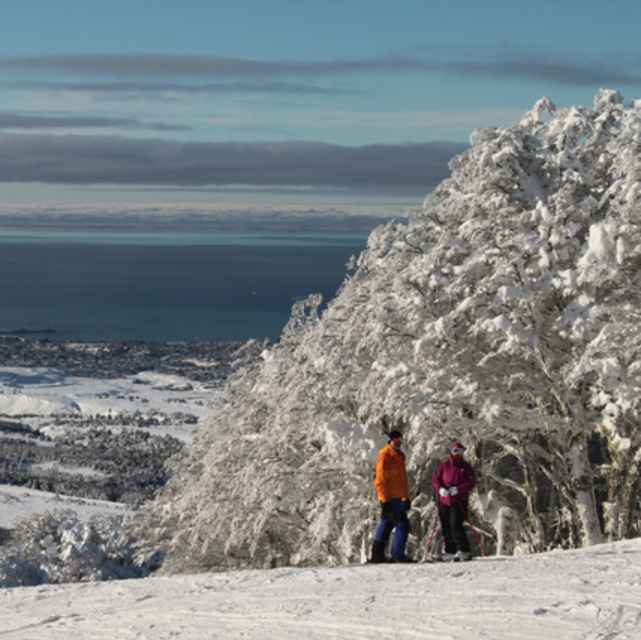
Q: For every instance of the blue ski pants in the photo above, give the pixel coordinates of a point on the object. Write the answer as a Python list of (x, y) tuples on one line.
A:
[(393, 517)]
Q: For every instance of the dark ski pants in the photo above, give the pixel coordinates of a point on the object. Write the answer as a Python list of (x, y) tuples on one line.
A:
[(453, 518), (393, 517)]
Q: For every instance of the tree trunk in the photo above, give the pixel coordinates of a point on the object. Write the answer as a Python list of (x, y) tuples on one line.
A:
[(584, 491), (623, 494)]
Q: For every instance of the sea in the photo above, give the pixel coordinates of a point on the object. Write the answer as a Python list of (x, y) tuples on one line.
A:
[(159, 286)]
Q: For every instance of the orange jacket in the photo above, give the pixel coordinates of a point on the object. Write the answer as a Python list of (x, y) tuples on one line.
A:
[(391, 477)]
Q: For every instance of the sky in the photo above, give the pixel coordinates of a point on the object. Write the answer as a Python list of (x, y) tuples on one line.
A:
[(283, 101)]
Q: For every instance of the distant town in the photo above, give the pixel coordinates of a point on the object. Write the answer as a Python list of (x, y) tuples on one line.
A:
[(114, 455), (201, 361)]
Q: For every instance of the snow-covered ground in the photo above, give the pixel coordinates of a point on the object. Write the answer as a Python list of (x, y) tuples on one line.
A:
[(45, 396), (49, 401), (18, 503), (591, 593)]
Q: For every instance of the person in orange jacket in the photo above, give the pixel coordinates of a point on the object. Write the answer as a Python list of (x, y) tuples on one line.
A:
[(393, 494)]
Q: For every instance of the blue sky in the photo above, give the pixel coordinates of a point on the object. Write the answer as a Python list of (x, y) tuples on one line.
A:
[(215, 101)]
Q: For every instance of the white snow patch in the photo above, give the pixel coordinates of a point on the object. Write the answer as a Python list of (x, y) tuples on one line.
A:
[(47, 393), (601, 247), (18, 503)]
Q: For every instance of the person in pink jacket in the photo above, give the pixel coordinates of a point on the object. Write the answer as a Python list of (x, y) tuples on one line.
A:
[(454, 480)]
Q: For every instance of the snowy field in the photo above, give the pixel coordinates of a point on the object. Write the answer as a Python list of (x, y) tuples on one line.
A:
[(45, 397), (54, 428), (586, 594), (18, 503)]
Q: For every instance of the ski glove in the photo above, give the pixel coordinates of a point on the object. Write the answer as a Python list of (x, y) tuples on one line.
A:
[(444, 492), (453, 491)]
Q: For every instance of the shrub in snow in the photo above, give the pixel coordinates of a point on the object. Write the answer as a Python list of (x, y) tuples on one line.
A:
[(503, 314), (57, 547)]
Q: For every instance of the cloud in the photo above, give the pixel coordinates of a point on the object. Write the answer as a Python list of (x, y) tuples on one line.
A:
[(200, 217), (91, 160), (145, 87), (555, 72), (505, 64), (20, 121), (166, 65)]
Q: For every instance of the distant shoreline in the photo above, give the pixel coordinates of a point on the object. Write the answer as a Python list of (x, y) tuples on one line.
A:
[(22, 332)]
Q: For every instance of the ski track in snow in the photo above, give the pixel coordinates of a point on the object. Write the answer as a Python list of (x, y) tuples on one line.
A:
[(588, 594)]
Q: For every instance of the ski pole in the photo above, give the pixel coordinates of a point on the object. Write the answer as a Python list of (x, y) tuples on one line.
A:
[(476, 535), (429, 542)]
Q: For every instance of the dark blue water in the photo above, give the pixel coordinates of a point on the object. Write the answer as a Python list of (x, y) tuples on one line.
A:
[(160, 287)]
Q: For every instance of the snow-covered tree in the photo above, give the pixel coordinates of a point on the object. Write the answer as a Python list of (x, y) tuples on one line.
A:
[(58, 547), (503, 314)]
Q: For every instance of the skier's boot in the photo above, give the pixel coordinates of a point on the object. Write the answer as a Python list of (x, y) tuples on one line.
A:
[(378, 553), (402, 559), (462, 556)]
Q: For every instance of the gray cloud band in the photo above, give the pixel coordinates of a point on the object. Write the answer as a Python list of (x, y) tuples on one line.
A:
[(85, 160), (184, 88), (190, 66), (19, 121)]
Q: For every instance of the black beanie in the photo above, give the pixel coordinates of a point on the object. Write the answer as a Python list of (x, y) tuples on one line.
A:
[(392, 435)]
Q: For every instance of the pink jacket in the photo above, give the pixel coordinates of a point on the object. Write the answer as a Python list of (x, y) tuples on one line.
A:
[(455, 471)]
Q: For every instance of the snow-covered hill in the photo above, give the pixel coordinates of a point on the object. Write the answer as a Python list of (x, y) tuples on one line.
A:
[(590, 593), (48, 398), (77, 447), (18, 503), (587, 594), (94, 437)]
